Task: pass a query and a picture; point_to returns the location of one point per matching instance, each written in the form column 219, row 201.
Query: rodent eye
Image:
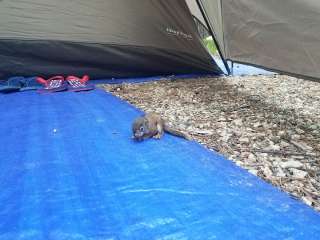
column 141, row 128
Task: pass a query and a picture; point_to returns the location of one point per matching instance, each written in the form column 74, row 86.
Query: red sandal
column 53, row 84
column 79, row 84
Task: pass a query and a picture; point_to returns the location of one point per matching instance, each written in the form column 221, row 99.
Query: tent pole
column 231, row 67
column 213, row 36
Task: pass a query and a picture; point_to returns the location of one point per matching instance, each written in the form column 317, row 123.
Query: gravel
column 269, row 125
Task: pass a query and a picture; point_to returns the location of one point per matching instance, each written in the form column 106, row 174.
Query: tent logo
column 178, row 33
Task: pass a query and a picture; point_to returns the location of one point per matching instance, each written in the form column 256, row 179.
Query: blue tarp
column 69, row 170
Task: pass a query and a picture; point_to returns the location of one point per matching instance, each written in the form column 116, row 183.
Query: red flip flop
column 53, row 84
column 79, row 84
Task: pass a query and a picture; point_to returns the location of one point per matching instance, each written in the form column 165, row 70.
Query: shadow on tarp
column 69, row 170
column 238, row 70
column 152, row 78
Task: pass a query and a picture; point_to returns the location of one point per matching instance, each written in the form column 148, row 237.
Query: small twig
column 310, row 160
column 253, row 165
column 313, row 195
column 298, row 145
column 238, row 108
column 291, row 179
column 285, row 153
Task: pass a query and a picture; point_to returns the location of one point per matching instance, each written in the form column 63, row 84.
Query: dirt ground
column 269, row 125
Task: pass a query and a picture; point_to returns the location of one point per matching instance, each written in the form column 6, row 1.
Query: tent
column 122, row 38
column 114, row 38
column 283, row 36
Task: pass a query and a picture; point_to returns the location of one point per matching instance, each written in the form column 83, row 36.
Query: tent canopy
column 114, row 38
column 122, row 38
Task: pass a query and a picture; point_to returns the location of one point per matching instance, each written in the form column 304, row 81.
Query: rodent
column 153, row 125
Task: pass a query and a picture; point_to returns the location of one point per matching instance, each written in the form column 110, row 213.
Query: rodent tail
column 177, row 133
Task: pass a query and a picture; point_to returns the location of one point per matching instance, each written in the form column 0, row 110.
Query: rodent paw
column 157, row 136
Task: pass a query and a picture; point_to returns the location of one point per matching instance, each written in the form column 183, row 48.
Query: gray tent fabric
column 279, row 35
column 114, row 38
column 194, row 8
